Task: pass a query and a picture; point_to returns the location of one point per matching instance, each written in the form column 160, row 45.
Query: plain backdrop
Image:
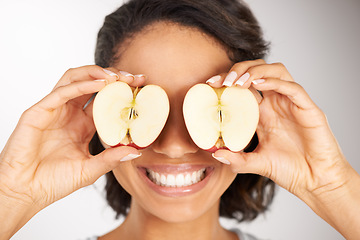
column 318, row 41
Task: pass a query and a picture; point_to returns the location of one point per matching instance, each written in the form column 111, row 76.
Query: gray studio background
column 319, row 42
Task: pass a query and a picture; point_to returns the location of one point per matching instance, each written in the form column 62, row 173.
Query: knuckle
column 69, row 71
column 260, row 64
column 89, row 67
column 260, row 61
column 112, row 69
column 279, row 64
column 283, row 72
column 26, row 113
column 30, row 114
column 60, row 92
column 323, row 116
column 92, row 68
column 252, row 70
column 245, row 66
column 238, row 65
column 296, row 89
column 298, row 86
column 256, row 72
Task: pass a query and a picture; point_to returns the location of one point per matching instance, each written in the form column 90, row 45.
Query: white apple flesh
column 220, row 118
column 127, row 116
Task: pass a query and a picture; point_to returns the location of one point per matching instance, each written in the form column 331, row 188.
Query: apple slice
column 127, row 116
column 220, row 117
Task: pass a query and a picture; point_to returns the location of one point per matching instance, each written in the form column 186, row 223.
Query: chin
column 182, row 212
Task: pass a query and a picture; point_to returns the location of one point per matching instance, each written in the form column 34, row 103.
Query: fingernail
column 214, row 79
column 230, row 78
column 221, row 159
column 258, row 81
column 111, row 73
column 243, row 79
column 139, row 75
column 100, row 80
column 126, row 74
column 129, row 157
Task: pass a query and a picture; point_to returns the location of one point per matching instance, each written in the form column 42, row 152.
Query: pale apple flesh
column 132, row 117
column 220, row 118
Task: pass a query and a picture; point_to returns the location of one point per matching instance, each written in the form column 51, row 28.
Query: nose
column 174, row 140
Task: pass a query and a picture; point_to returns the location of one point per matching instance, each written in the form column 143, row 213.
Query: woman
column 176, row 44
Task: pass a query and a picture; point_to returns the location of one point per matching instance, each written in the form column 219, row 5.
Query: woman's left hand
column 297, row 149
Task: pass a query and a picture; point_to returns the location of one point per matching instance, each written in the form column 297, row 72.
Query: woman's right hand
column 296, row 149
column 47, row 157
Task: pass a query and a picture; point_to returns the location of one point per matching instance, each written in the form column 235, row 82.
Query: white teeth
column 193, row 177
column 187, row 179
column 178, row 180
column 170, row 180
column 157, row 178
column 163, row 180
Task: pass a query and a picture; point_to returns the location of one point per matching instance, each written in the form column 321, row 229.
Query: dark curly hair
column 233, row 25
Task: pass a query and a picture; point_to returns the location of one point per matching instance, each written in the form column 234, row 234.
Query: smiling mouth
column 176, row 180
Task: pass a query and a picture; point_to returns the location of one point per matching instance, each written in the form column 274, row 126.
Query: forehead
column 173, row 56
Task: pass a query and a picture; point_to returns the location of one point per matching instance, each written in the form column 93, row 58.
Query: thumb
column 242, row 162
column 109, row 159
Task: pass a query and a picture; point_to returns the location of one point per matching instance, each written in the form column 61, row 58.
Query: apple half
column 128, row 116
column 219, row 118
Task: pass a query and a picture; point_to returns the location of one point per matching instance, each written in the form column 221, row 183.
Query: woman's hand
column 47, row 156
column 297, row 149
column 295, row 141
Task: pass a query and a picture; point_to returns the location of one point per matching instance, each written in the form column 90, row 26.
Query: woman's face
column 175, row 58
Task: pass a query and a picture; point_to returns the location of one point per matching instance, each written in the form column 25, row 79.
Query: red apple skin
column 214, row 149
column 129, row 145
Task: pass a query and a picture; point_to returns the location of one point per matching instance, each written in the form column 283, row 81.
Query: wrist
column 14, row 214
column 338, row 202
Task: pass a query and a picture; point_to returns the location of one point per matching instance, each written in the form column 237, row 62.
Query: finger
column 113, row 75
column 63, row 94
column 131, row 79
column 126, row 77
column 238, row 70
column 292, row 90
column 216, row 81
column 274, row 70
column 134, row 81
column 244, row 162
column 109, row 159
column 86, row 73
column 139, row 80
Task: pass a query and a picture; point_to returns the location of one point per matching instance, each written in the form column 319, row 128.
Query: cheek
column 125, row 175
column 226, row 178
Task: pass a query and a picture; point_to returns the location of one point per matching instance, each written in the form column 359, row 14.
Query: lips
column 176, row 180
